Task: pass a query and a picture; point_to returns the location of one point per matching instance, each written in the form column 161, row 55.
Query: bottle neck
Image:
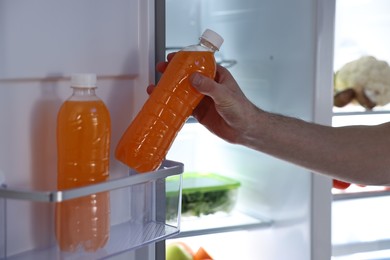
column 77, row 91
column 83, row 94
column 208, row 45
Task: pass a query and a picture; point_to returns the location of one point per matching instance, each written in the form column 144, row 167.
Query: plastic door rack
column 140, row 214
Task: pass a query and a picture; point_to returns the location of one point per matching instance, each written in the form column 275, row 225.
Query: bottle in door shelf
column 147, row 140
column 83, row 143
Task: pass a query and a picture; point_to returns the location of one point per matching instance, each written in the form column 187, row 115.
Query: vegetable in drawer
column 207, row 193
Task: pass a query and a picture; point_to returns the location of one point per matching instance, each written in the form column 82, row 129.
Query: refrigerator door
column 280, row 53
column 41, row 43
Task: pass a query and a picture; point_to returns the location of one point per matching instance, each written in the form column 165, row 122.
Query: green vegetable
column 204, row 194
column 199, row 203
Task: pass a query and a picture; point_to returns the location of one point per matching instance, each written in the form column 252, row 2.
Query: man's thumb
column 201, row 83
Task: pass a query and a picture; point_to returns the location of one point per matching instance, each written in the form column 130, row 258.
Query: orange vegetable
column 341, row 185
column 201, row 254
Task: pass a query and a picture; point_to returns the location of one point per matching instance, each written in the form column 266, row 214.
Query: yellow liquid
column 147, row 140
column 83, row 141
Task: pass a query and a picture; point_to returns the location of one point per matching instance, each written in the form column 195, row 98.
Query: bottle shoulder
column 196, row 47
column 83, row 98
column 71, row 110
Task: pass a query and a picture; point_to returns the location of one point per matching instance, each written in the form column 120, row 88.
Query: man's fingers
column 170, row 56
column 161, row 66
column 150, row 89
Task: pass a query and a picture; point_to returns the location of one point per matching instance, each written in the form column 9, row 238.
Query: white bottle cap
column 83, row 80
column 212, row 37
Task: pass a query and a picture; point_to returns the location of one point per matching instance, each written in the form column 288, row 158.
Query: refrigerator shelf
column 363, row 194
column 221, row 222
column 140, row 219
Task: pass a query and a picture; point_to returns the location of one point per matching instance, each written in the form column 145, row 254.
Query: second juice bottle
column 83, row 142
column 147, row 140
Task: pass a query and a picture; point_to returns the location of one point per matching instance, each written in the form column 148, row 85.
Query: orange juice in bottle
column 83, row 143
column 147, row 140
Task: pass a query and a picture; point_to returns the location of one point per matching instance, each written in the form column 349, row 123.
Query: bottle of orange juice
column 147, row 140
column 83, row 144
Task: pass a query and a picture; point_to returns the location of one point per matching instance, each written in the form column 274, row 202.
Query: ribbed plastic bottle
column 147, row 140
column 83, row 150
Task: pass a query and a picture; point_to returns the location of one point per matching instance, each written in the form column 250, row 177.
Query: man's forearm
column 355, row 153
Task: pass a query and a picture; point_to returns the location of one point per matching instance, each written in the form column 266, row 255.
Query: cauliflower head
column 365, row 75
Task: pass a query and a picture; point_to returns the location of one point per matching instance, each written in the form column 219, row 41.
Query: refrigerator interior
column 360, row 215
column 278, row 51
column 42, row 43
